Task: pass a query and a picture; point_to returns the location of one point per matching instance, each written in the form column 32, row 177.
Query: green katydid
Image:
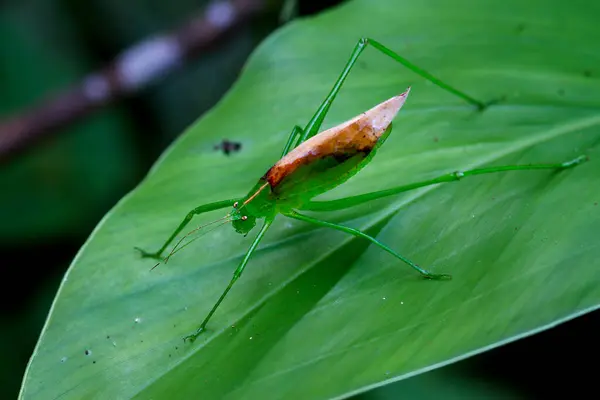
column 313, row 163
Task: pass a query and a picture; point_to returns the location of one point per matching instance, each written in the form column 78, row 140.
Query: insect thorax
column 258, row 203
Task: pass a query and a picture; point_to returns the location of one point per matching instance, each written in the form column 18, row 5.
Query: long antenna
column 176, row 249
column 198, row 237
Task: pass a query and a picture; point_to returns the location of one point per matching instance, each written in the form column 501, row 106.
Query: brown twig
column 133, row 69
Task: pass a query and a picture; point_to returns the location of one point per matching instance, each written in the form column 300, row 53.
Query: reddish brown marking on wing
column 360, row 134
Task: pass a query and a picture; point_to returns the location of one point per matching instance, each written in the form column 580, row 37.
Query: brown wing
column 360, row 134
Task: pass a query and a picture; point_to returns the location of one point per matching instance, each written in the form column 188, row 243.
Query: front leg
column 196, row 211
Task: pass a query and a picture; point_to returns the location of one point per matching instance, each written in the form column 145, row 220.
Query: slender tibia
column 352, row 201
column 360, row 234
column 480, row 105
column 313, row 126
column 236, row 274
column 196, row 211
column 296, row 132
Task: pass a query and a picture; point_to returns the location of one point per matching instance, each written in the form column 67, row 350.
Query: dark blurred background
column 77, row 132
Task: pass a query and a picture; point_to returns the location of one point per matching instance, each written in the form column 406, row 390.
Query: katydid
column 313, row 163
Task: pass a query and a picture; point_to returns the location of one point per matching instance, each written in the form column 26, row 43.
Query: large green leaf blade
column 318, row 314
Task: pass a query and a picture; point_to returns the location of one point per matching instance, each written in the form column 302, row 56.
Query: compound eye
column 245, row 217
column 235, row 205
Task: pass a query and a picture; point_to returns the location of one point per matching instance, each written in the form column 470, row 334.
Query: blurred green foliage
column 70, row 180
column 62, row 186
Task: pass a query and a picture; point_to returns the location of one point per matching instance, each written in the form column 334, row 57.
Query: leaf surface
column 319, row 314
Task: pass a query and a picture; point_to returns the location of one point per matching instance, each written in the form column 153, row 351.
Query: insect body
column 318, row 165
column 313, row 163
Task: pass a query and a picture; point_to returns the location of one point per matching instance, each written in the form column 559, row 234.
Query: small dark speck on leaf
column 595, row 204
column 228, row 147
column 520, row 28
column 176, row 348
column 516, row 228
column 94, row 362
column 587, row 73
column 108, row 336
column 169, row 355
column 435, row 139
column 87, row 352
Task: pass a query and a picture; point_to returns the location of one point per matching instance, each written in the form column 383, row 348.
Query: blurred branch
column 133, row 69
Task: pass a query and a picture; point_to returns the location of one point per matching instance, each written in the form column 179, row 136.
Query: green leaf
column 319, row 314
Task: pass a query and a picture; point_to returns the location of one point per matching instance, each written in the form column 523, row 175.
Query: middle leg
column 356, row 232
